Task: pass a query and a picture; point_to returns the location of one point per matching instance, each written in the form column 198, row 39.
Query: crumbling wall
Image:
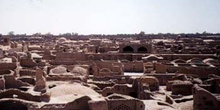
column 79, row 104
column 152, row 81
column 10, row 66
column 6, row 71
column 2, row 84
column 133, row 66
column 27, row 62
column 11, row 93
column 27, row 72
column 103, row 68
column 204, row 100
column 98, row 105
column 182, row 87
column 125, row 104
column 160, row 68
column 11, row 82
column 119, row 89
column 201, row 72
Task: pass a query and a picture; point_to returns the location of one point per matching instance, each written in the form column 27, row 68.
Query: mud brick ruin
column 110, row 72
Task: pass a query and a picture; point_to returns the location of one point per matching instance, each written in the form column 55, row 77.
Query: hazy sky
column 109, row 16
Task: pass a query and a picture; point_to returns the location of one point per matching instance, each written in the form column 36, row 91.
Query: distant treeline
column 138, row 36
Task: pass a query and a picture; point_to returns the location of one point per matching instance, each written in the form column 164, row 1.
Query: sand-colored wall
column 204, row 100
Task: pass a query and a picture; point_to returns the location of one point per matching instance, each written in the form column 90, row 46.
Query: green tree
column 11, row 33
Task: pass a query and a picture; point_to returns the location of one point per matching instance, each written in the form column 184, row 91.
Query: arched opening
column 133, row 94
column 90, row 57
column 12, row 105
column 91, row 71
column 142, row 50
column 128, row 49
column 106, row 70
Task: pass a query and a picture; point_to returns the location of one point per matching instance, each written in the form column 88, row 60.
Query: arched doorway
column 12, row 105
column 128, row 49
column 142, row 50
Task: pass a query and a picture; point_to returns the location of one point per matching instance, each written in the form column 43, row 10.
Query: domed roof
column 61, row 40
column 195, row 61
column 58, row 70
column 77, row 70
column 178, row 61
column 70, row 91
column 152, row 57
column 210, row 60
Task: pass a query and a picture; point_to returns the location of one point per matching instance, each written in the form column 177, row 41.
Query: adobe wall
column 119, row 77
column 125, row 105
column 138, row 56
column 27, row 62
column 27, row 72
column 201, row 72
column 160, row 68
column 119, row 89
column 20, row 95
column 60, row 62
column 182, row 87
column 2, row 84
column 103, row 84
column 13, row 103
column 66, row 78
column 91, row 49
column 171, row 57
column 64, row 56
column 48, row 56
column 135, row 47
column 6, row 71
column 151, row 81
column 80, row 103
column 10, row 66
column 29, row 80
column 134, row 66
column 104, row 49
column 107, row 73
column 204, row 100
column 68, row 67
column 11, row 82
column 98, row 105
column 108, row 64
column 163, row 78
column 107, row 68
column 35, row 48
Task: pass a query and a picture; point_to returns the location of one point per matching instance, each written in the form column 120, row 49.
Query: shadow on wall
column 12, row 105
column 142, row 50
column 128, row 49
column 135, row 48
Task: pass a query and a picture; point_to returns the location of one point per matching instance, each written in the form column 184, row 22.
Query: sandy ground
column 153, row 105
column 160, row 104
column 186, row 105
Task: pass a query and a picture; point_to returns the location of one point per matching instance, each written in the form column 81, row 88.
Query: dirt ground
column 158, row 101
